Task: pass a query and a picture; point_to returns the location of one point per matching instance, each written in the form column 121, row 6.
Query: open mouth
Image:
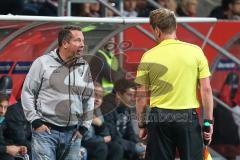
column 79, row 52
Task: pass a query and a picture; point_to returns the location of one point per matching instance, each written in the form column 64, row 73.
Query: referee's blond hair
column 164, row 19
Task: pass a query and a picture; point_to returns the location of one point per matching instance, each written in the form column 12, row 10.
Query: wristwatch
column 209, row 121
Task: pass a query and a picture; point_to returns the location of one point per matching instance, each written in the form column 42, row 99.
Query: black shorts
column 169, row 130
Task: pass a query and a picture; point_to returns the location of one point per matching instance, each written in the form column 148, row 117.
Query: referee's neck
column 166, row 36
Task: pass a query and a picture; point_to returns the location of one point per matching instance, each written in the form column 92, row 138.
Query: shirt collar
column 168, row 41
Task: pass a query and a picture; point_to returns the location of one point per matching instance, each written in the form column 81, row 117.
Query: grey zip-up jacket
column 50, row 86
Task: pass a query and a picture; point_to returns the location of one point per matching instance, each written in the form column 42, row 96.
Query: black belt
column 170, row 115
column 60, row 128
column 173, row 110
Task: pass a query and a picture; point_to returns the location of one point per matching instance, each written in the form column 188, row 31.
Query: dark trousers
column 103, row 151
column 6, row 157
column 169, row 130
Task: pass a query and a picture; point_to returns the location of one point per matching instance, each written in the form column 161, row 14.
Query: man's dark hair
column 234, row 1
column 122, row 85
column 4, row 97
column 65, row 34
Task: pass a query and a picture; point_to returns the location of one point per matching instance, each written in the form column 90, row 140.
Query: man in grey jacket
column 58, row 99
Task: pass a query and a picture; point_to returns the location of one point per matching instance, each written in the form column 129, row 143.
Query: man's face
column 3, row 107
column 75, row 46
column 130, row 5
column 98, row 95
column 192, row 7
column 128, row 98
column 235, row 8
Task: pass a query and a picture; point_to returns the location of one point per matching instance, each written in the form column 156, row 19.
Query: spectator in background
column 17, row 127
column 82, row 9
column 98, row 141
column 171, row 5
column 230, row 9
column 48, row 8
column 130, row 8
column 109, row 12
column 105, row 67
column 14, row 7
column 234, row 10
column 187, row 8
column 221, row 12
column 95, row 9
column 143, row 8
column 32, row 7
column 86, row 9
column 7, row 151
column 6, row 85
column 116, row 111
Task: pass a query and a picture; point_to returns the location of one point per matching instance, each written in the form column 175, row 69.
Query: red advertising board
column 19, row 49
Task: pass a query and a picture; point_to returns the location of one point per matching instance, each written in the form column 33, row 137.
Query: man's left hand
column 76, row 135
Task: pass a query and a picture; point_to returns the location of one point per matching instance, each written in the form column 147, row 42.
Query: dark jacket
column 47, row 9
column 17, row 127
column 100, row 68
column 118, row 120
column 96, row 134
column 3, row 143
column 2, row 140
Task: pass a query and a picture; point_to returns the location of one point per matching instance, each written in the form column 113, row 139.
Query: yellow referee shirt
column 171, row 71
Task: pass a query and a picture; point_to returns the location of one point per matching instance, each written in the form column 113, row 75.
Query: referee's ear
column 157, row 33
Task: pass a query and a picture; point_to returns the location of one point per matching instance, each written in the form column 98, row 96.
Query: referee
column 170, row 74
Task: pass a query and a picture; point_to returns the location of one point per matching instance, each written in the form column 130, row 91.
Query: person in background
column 105, row 67
column 221, row 12
column 98, row 141
column 234, row 10
column 95, row 9
column 14, row 7
column 187, row 8
column 48, row 8
column 7, row 151
column 6, row 86
column 18, row 129
column 130, row 8
column 143, row 8
column 171, row 5
column 116, row 110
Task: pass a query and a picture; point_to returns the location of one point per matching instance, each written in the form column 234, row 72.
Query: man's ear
column 158, row 32
column 65, row 44
column 118, row 95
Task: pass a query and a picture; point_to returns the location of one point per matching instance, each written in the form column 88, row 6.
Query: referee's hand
column 208, row 135
column 143, row 133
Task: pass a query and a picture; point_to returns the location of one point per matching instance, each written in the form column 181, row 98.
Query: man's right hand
column 43, row 128
column 143, row 133
column 13, row 150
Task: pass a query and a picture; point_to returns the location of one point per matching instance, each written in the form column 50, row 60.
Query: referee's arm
column 207, row 101
column 207, row 97
column 141, row 104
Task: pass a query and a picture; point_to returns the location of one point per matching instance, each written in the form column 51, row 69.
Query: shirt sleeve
column 30, row 88
column 88, row 99
column 203, row 68
column 142, row 76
